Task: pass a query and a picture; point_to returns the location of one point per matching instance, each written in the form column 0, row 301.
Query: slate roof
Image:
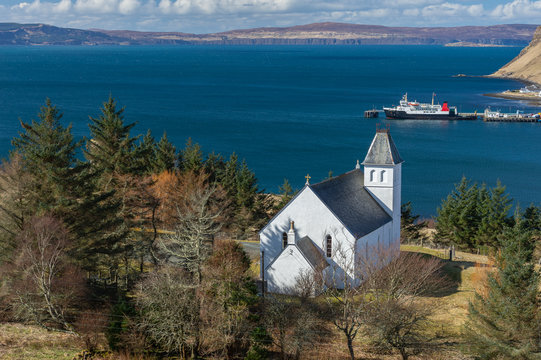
column 353, row 205
column 382, row 151
column 311, row 252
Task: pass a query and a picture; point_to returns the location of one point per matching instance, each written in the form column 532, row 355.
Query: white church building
column 327, row 226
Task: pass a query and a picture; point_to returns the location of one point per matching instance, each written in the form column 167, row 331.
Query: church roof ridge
column 354, row 206
column 334, row 178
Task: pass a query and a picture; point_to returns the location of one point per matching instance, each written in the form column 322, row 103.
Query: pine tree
column 494, row 214
column 165, row 155
column 214, row 167
column 64, row 187
column 458, row 216
column 409, row 229
column 191, row 157
column 532, row 219
column 286, row 194
column 246, row 186
column 145, row 154
column 111, row 148
column 504, row 321
column 229, row 176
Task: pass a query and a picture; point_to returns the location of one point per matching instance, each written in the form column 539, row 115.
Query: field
column 21, row 342
column 18, row 341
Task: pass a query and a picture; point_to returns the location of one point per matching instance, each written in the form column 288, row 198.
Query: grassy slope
column 21, row 342
column 527, row 65
column 30, row 342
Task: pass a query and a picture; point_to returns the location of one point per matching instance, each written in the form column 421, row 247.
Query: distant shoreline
column 326, row 33
column 509, row 95
column 471, row 44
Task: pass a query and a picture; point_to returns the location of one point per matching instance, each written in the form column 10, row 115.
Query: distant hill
column 527, row 65
column 41, row 34
column 320, row 33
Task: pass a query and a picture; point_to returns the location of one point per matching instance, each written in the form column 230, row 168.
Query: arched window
column 329, row 246
column 284, row 240
column 373, row 175
column 383, row 176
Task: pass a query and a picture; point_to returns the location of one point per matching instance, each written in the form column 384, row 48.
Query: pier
column 371, row 113
column 514, row 118
column 496, row 116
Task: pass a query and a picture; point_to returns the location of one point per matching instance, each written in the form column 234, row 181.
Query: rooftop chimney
column 291, row 234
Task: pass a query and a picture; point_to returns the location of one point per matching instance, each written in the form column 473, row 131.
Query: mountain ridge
column 327, row 33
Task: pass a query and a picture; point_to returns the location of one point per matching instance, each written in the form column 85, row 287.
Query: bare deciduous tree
column 169, row 310
column 48, row 288
column 346, row 301
column 397, row 319
column 293, row 324
column 227, row 293
column 199, row 213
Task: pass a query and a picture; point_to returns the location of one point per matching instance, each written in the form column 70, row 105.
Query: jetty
column 374, row 113
column 496, row 116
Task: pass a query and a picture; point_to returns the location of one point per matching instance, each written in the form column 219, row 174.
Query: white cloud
column 218, row 15
column 411, row 12
column 452, row 10
column 128, row 6
column 518, row 9
column 95, row 6
column 62, row 6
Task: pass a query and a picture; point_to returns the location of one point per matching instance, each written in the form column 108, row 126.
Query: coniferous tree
column 145, row 154
column 409, row 229
column 504, row 320
column 230, row 174
column 64, row 187
column 246, row 186
column 286, row 194
column 214, row 167
column 532, row 219
column 494, row 209
column 458, row 216
column 15, row 195
column 473, row 216
column 111, row 148
column 191, row 157
column 165, row 155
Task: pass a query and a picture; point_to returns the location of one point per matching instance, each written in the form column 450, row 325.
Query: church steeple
column 382, row 151
column 383, row 175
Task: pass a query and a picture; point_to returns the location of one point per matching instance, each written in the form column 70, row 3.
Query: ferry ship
column 415, row 110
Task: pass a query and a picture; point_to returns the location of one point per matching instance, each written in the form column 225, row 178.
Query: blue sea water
column 291, row 110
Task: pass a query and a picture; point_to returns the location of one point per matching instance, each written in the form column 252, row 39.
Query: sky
column 207, row 16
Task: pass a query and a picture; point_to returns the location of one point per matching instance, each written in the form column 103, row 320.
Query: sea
column 291, row 110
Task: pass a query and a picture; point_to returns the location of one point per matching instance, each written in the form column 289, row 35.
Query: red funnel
column 444, row 107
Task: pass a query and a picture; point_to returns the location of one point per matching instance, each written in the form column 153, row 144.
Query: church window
column 329, row 246
column 284, row 240
column 383, row 176
column 373, row 175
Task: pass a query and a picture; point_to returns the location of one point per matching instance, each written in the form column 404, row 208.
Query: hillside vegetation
column 527, row 65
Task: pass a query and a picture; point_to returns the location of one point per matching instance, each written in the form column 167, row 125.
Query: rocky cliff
column 527, row 65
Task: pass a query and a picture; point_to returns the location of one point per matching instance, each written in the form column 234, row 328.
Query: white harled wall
column 312, row 218
column 282, row 274
column 385, row 183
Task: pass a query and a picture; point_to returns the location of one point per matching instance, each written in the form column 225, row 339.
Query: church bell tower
column 383, row 175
